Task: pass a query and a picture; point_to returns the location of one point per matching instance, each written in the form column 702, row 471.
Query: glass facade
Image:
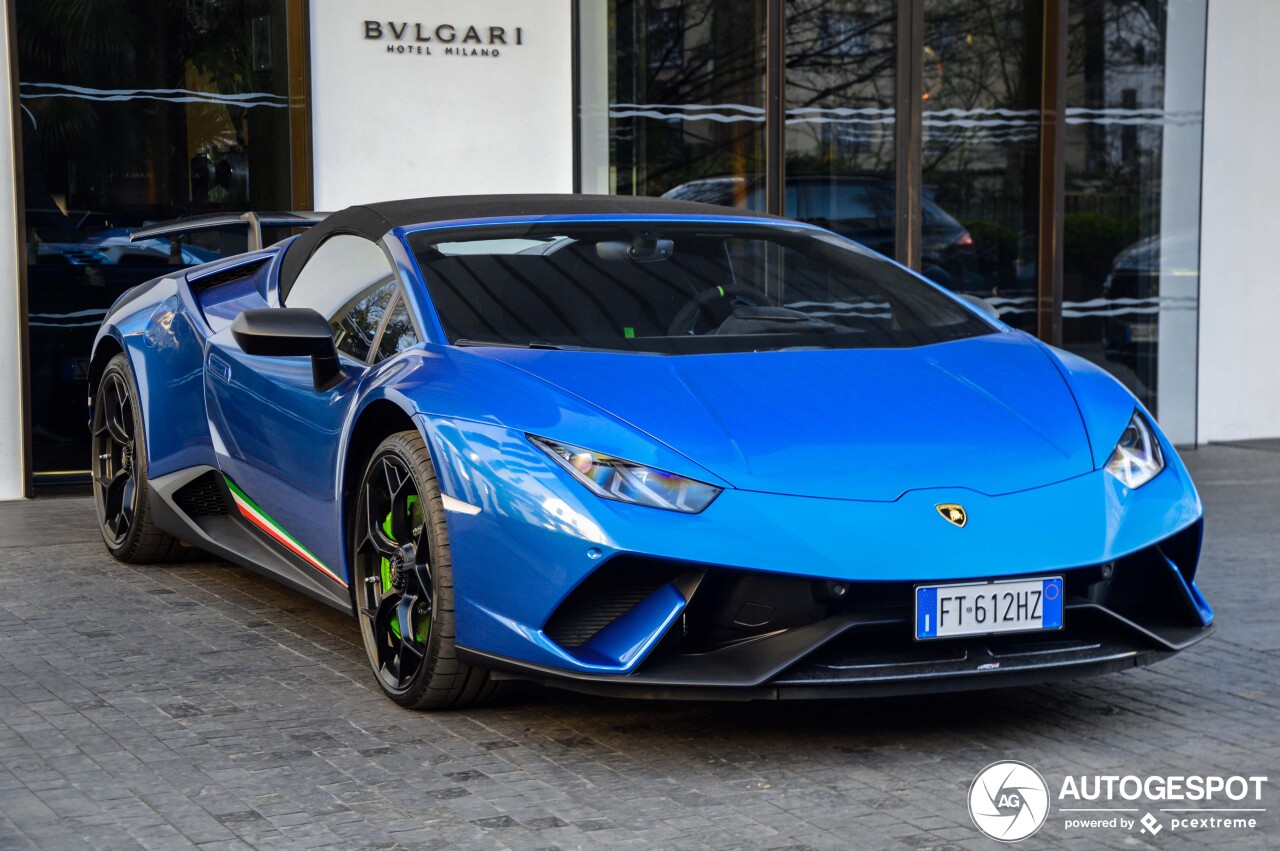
column 981, row 151
column 840, row 117
column 1120, row 222
column 917, row 127
column 1135, row 96
column 682, row 98
column 133, row 112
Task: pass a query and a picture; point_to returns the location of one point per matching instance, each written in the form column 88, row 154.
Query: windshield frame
column 464, row 229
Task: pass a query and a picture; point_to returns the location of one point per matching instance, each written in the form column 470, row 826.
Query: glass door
column 1074, row 147
column 1135, row 118
column 134, row 112
column 980, row 137
column 840, row 117
column 674, row 102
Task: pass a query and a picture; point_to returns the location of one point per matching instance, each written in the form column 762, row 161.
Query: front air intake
column 603, row 597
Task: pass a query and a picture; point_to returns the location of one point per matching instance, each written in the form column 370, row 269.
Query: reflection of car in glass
column 642, row 447
column 258, row 229
column 79, row 263
column 861, row 208
column 116, row 249
column 1133, row 300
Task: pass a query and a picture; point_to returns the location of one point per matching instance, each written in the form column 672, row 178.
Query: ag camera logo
column 1008, row 801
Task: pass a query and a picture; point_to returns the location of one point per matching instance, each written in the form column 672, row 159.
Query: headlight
column 1137, row 458
column 614, row 478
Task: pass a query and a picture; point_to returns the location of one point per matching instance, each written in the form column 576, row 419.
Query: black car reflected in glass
column 861, row 208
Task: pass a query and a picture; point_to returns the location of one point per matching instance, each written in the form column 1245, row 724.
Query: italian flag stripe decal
column 263, row 521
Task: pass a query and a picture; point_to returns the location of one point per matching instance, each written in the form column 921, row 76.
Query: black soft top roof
column 374, row 221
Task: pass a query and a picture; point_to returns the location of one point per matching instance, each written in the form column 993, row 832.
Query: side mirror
column 982, row 304
column 284, row 332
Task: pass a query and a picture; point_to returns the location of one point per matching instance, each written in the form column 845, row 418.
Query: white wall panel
column 399, row 113
column 1240, row 273
column 11, row 355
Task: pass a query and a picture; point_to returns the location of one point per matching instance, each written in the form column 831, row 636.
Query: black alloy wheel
column 403, row 581
column 114, row 448
column 119, row 465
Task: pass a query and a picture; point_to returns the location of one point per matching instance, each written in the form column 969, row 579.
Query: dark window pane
column 665, row 34
column 399, row 334
column 673, row 92
column 981, row 151
column 356, row 324
column 1131, row 253
column 134, row 112
column 841, row 58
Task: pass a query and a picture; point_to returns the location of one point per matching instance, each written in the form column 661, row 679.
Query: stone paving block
column 204, row 706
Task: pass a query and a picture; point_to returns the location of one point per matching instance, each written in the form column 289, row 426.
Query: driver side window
column 350, row 282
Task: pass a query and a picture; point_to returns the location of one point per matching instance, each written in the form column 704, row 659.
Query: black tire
column 402, row 573
column 119, row 464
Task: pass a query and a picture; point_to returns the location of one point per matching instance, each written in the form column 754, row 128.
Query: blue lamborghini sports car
column 642, row 447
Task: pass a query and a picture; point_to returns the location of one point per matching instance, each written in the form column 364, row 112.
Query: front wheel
column 403, row 582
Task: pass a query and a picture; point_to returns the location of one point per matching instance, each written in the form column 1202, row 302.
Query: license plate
column 984, row 608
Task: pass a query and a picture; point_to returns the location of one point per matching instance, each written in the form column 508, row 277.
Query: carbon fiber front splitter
column 846, row 667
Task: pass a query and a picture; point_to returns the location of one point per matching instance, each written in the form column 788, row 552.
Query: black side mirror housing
column 284, row 332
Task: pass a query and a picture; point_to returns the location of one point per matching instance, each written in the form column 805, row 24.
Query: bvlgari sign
column 498, row 119
column 418, row 39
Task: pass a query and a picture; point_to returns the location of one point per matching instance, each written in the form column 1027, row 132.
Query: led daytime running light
column 627, row 481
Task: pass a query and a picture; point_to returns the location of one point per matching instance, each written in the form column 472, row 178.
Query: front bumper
column 752, row 636
column 553, row 583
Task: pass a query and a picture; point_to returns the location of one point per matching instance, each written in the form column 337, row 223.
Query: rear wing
column 255, row 222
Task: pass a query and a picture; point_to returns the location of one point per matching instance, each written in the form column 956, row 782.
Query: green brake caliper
column 421, row 636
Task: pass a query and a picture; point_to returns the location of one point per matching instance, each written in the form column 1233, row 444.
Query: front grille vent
column 603, row 597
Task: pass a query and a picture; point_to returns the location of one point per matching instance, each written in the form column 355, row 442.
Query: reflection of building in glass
column 132, row 114
column 135, row 112
column 1132, row 238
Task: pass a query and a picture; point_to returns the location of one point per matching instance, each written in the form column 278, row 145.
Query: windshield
column 677, row 287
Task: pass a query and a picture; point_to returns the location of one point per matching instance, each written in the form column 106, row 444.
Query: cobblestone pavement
column 169, row 707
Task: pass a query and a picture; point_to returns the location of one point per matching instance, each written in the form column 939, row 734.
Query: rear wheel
column 403, row 582
column 119, row 467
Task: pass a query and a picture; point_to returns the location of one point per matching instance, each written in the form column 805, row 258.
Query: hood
column 991, row 414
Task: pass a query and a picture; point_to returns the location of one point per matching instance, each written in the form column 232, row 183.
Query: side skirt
column 235, row 535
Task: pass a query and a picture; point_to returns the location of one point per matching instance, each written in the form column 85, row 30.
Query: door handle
column 220, row 369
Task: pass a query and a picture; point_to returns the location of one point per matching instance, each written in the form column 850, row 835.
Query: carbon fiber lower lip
column 632, row 687
column 831, row 663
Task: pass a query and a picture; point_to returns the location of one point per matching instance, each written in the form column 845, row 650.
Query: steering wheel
column 682, row 324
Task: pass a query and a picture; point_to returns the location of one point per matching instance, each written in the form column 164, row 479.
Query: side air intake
column 203, row 496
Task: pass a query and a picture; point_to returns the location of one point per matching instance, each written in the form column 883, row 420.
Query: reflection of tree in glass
column 698, row 67
column 841, row 56
column 399, row 334
column 354, row 328
column 978, row 63
column 671, row 56
column 1115, row 60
